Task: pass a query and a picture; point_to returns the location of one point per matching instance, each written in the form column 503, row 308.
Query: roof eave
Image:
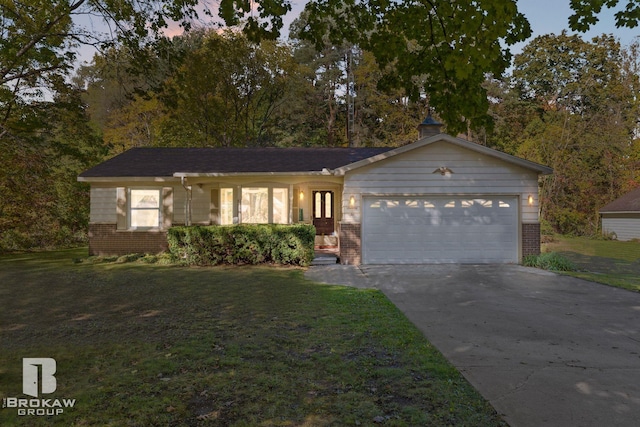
column 326, row 172
column 541, row 169
column 176, row 176
column 91, row 179
column 619, row 212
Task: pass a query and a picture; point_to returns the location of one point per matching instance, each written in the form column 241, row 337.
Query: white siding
column 179, row 197
column 411, row 173
column 625, row 228
column 103, row 205
column 200, row 205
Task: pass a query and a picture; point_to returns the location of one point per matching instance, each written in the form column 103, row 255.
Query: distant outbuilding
column 622, row 216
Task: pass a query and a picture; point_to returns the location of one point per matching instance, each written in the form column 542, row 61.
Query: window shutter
column 121, row 208
column 215, row 207
column 167, row 207
column 295, row 204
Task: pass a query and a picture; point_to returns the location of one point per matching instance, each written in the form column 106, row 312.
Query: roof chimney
column 429, row 126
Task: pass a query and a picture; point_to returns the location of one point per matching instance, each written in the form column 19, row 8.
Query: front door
column 323, row 212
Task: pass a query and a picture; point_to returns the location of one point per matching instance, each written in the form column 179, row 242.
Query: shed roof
column 167, row 162
column 629, row 202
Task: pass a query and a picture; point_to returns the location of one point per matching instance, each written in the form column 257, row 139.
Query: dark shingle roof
column 163, row 162
column 629, row 202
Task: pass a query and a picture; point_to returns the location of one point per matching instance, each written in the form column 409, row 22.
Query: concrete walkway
column 544, row 349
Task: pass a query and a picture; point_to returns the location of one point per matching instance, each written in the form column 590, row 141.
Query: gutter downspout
column 187, row 202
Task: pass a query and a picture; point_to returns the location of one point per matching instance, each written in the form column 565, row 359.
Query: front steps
column 326, row 255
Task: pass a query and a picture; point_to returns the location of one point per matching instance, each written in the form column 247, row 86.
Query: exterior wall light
column 530, row 200
column 352, row 202
column 301, row 195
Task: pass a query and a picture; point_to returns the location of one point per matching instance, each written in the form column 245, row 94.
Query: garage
column 440, row 200
column 440, row 229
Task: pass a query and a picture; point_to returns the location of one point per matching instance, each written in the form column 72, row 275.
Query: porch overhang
column 324, row 172
column 99, row 179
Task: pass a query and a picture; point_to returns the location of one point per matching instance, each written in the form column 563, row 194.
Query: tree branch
column 29, row 73
column 40, row 35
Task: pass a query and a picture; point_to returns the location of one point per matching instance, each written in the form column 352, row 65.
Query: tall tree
column 442, row 49
column 585, row 98
column 122, row 103
column 39, row 39
column 343, row 92
column 564, row 72
column 227, row 91
column 45, row 140
column 41, row 204
column 307, row 105
column 383, row 117
column 135, row 124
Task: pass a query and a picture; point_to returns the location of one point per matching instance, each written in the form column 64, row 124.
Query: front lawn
column 150, row 345
column 605, row 261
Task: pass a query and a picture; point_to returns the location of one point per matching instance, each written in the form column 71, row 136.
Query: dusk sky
column 551, row 16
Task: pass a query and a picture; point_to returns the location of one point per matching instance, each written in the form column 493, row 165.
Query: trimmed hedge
column 242, row 244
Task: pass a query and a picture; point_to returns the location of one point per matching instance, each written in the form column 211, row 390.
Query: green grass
column 152, row 345
column 609, row 262
column 549, row 261
column 625, row 251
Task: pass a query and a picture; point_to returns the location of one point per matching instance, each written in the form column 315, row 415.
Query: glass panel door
column 323, row 212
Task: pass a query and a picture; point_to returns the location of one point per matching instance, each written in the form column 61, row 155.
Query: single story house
column 439, row 199
column 622, row 216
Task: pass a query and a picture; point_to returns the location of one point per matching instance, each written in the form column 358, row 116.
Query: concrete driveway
column 544, row 349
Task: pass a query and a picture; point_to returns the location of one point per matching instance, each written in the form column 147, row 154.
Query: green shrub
column 606, row 236
column 242, row 244
column 549, row 261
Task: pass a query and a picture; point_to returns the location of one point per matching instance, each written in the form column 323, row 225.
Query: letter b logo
column 30, row 375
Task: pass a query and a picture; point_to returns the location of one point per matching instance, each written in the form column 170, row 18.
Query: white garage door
column 417, row 230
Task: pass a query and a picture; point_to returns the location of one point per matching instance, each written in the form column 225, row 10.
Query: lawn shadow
column 603, row 265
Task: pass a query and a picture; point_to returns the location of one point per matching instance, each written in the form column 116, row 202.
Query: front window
column 255, row 205
column 145, row 208
column 261, row 205
column 226, row 206
column 280, row 206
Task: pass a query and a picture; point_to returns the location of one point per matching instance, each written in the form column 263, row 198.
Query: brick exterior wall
column 530, row 239
column 350, row 244
column 104, row 239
